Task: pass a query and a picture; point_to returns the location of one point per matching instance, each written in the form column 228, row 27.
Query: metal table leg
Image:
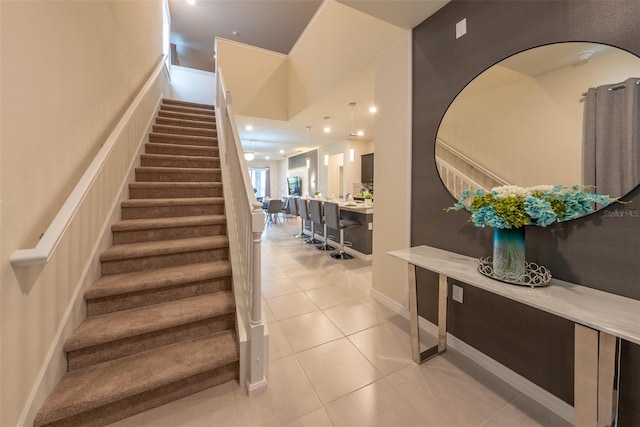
column 597, row 356
column 417, row 355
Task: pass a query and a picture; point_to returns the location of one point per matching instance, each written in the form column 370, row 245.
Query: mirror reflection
column 560, row 114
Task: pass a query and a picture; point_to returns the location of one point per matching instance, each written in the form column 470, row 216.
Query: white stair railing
column 245, row 224
column 459, row 172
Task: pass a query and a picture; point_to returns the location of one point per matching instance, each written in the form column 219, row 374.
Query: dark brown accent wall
column 599, row 251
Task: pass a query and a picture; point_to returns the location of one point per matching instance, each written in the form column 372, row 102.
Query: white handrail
column 245, row 224
column 49, row 241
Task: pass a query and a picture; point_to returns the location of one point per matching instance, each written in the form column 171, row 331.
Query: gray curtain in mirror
column 612, row 137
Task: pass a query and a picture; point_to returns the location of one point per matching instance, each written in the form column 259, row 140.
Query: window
column 260, row 181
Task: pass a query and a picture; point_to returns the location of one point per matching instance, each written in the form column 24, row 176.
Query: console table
column 601, row 320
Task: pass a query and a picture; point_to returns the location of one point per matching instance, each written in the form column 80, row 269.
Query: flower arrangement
column 511, row 206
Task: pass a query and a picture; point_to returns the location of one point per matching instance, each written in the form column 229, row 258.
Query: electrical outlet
column 457, row 293
column 370, row 226
column 461, row 28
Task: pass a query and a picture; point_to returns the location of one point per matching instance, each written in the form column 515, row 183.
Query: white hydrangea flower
column 510, row 191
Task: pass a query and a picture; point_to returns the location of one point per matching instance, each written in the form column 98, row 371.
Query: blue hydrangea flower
column 540, row 210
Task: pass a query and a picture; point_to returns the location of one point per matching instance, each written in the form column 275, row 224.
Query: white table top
column 607, row 312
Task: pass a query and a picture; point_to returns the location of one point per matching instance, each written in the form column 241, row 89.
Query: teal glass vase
column 508, row 254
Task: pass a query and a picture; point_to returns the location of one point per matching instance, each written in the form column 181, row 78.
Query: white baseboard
column 54, row 365
column 537, row 393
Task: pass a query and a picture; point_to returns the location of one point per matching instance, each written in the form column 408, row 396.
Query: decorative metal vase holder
column 508, row 263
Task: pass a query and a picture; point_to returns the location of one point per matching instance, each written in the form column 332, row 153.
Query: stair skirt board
column 169, row 247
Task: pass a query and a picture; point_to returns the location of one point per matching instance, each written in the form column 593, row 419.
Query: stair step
column 123, row 333
column 131, row 290
column 174, row 190
column 183, row 139
column 161, row 208
column 186, row 109
column 168, row 101
column 186, row 123
column 177, row 161
column 181, row 149
column 187, row 116
column 174, row 174
column 150, row 229
column 113, row 390
column 184, row 130
column 149, row 255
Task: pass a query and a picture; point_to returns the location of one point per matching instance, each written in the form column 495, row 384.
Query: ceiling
column 276, row 25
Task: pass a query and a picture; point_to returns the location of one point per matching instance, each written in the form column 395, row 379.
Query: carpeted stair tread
column 163, row 247
column 179, row 161
column 139, row 281
column 169, row 137
column 187, row 116
column 152, row 223
column 180, row 184
column 183, row 149
column 192, row 110
column 168, row 101
column 184, row 122
column 94, row 386
column 202, row 109
column 116, row 326
column 190, row 201
column 184, row 130
column 174, row 189
column 168, row 169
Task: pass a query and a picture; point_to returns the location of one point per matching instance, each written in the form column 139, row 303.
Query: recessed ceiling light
column 191, row 2
column 373, row 109
column 266, row 158
column 281, row 151
column 327, row 129
column 249, row 127
column 235, row 33
column 360, row 133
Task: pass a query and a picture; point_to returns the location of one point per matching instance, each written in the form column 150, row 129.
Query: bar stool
column 315, row 211
column 304, row 214
column 332, row 220
column 295, row 210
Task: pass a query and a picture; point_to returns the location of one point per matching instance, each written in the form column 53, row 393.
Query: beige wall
column 69, row 70
column 392, row 169
column 256, row 77
column 322, row 57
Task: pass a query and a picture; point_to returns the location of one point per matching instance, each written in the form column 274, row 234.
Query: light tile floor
column 339, row 358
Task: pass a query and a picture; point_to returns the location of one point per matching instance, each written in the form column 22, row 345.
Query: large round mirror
column 559, row 114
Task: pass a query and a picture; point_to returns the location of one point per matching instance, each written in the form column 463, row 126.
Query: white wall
column 276, row 186
column 392, row 169
column 189, row 84
column 69, row 71
column 351, row 170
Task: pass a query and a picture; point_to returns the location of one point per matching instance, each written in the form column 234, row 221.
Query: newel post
column 257, row 227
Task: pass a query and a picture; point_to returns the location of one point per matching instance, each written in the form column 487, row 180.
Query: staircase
column 161, row 320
